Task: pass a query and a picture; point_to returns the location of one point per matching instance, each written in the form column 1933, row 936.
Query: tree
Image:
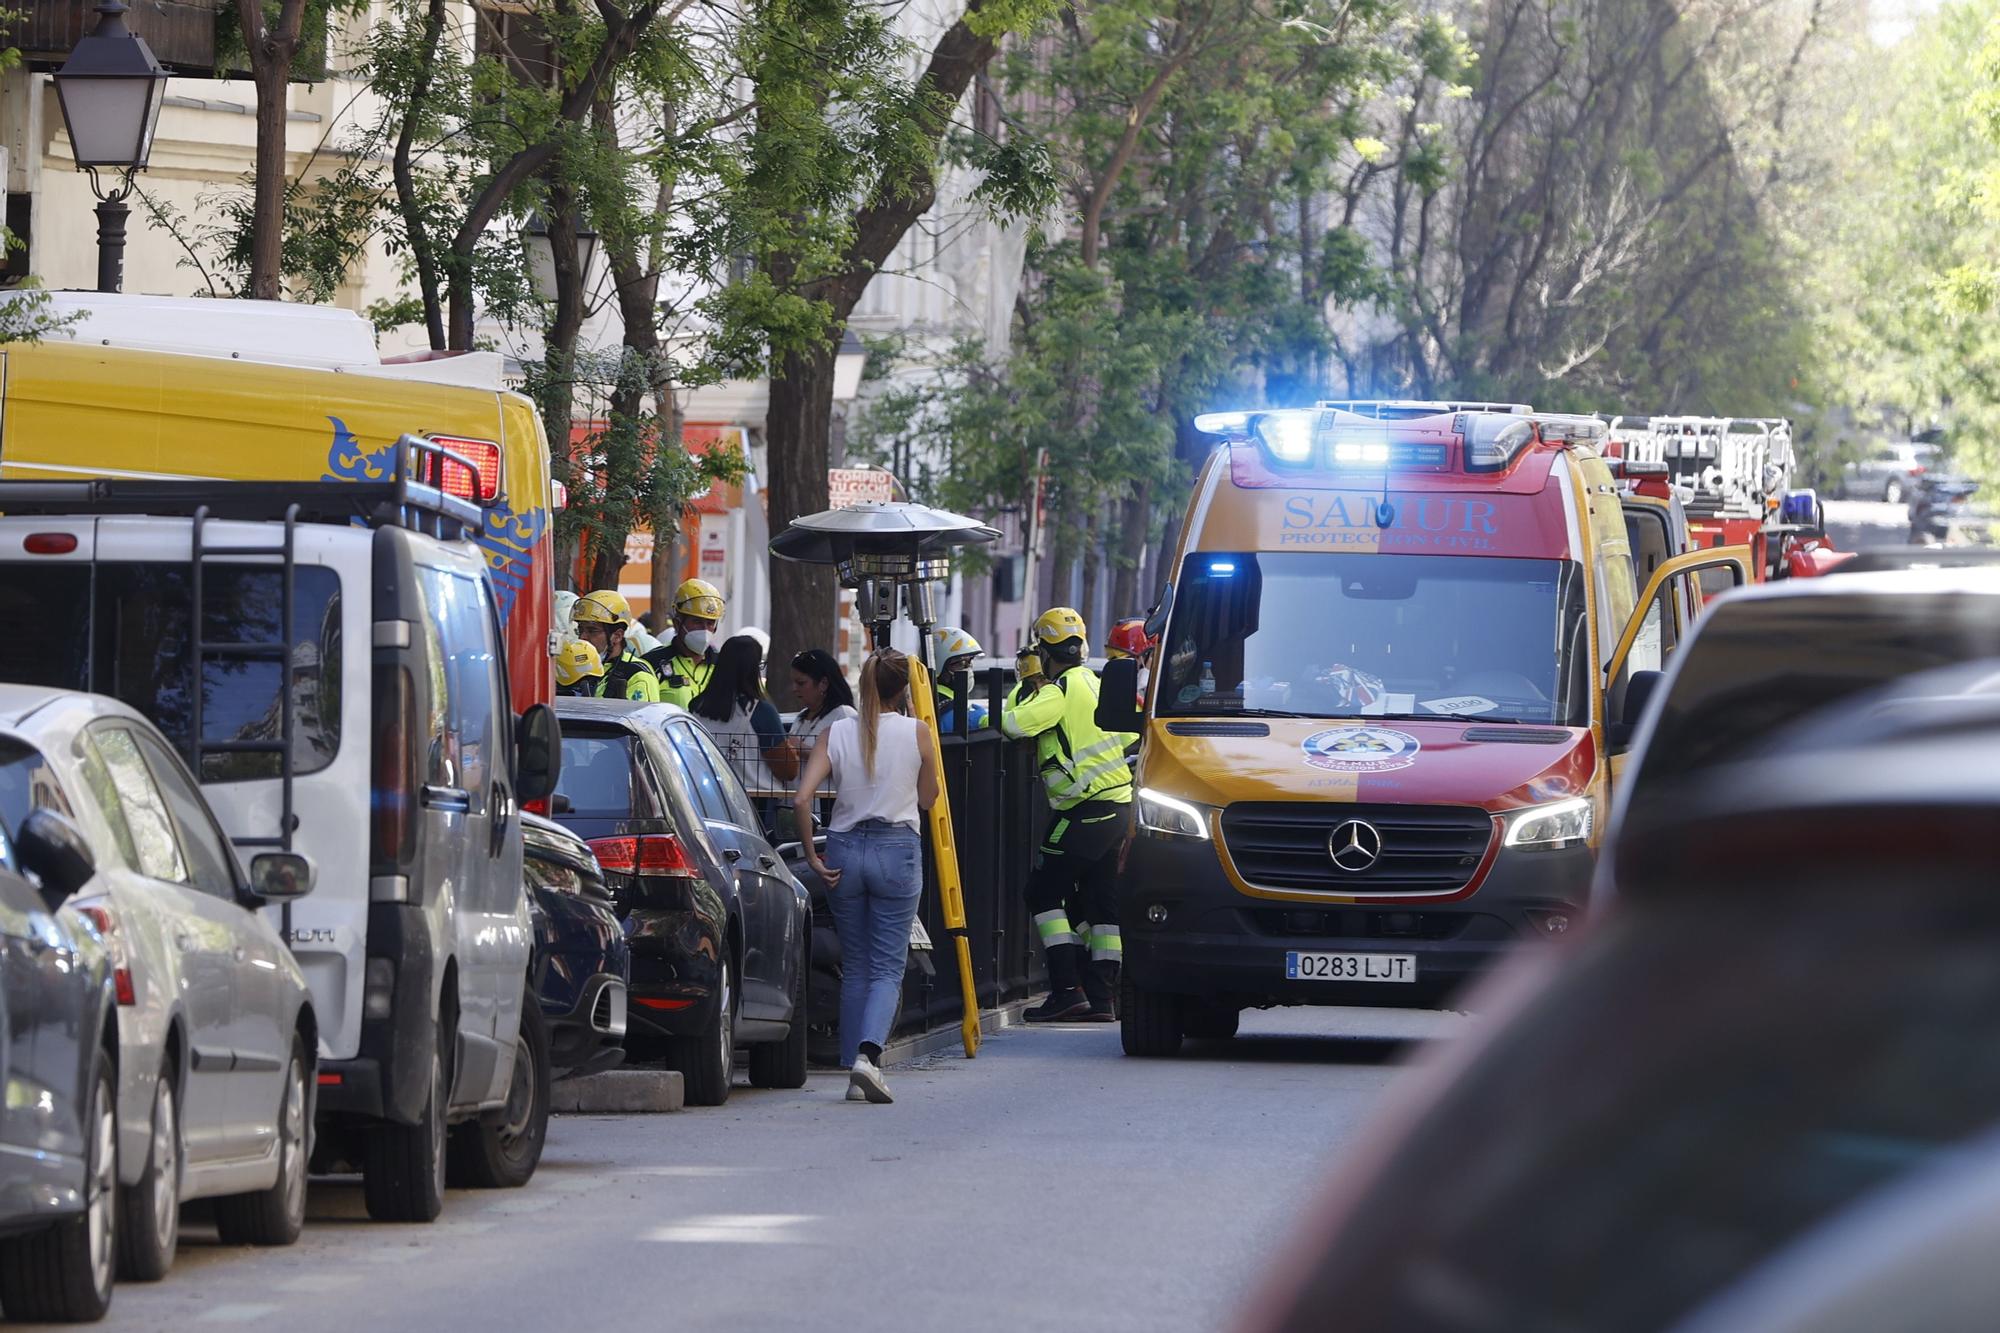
column 271, row 35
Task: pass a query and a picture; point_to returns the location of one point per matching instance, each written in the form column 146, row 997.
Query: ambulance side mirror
column 1118, row 699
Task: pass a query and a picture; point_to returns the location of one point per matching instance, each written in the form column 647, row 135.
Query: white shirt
column 891, row 795
column 807, row 733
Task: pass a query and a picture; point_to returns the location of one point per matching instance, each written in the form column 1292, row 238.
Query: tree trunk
column 1093, row 568
column 1135, row 517
column 416, row 226
column 795, row 432
column 267, row 236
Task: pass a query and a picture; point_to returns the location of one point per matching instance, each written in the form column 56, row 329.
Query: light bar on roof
column 1570, row 429
column 1288, row 436
column 1231, row 425
column 1492, row 441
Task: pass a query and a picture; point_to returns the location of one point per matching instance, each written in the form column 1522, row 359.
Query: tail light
column 658, row 855
column 106, row 922
column 392, row 796
column 1918, row 470
column 49, row 543
column 483, row 484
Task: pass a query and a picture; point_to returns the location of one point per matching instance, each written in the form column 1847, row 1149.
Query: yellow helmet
column 603, row 607
column 1028, row 664
column 698, row 598
column 577, row 660
column 1060, row 624
column 948, row 641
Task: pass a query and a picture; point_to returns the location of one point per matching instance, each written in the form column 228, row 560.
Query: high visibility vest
column 1079, row 760
column 629, row 678
column 681, row 677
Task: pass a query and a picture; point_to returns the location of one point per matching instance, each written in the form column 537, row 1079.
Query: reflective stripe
column 1106, row 945
column 1054, row 928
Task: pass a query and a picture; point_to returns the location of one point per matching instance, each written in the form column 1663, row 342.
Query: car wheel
column 782, row 1064
column 708, row 1061
column 1212, row 1022
column 277, row 1215
column 1150, row 1022
column 149, row 1213
column 501, row 1149
column 63, row 1272
column 1892, row 491
column 402, row 1167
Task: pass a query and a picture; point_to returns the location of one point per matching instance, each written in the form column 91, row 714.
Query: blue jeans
column 881, row 881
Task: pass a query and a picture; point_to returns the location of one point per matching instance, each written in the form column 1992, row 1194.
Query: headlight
column 1546, row 827
column 1160, row 813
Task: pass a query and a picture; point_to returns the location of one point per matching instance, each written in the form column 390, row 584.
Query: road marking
column 735, row 1229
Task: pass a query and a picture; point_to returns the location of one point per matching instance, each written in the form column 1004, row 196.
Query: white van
column 342, row 693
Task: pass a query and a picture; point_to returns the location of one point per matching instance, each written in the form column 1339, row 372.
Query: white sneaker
column 866, row 1077
column 855, row 1094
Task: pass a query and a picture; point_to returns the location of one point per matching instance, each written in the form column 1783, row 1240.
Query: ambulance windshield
column 1352, row 635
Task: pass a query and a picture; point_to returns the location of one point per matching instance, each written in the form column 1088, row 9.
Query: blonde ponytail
column 885, row 679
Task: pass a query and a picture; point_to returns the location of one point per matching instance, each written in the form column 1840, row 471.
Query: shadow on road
column 1288, row 1049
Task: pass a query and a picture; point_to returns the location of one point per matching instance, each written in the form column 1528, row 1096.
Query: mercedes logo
column 1354, row 845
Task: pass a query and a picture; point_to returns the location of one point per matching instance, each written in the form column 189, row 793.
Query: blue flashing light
column 1222, row 568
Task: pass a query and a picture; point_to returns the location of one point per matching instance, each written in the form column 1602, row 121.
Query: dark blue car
column 582, row 962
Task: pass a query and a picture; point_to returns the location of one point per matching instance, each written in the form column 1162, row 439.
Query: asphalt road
column 1051, row 1183
column 1857, row 525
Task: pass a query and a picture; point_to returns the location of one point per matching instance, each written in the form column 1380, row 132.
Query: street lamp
column 541, row 250
column 110, row 89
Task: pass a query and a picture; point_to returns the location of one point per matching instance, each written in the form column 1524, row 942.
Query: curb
column 937, row 1041
column 620, row 1092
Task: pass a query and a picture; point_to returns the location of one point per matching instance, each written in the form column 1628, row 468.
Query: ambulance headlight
column 1550, row 827
column 1161, row 813
column 1288, row 436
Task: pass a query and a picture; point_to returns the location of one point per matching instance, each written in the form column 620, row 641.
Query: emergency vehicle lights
column 1161, row 813
column 1360, row 453
column 484, row 455
column 1551, row 827
column 1491, row 443
column 1222, row 567
column 1288, row 436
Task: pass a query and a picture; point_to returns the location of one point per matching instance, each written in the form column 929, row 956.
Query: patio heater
column 894, row 555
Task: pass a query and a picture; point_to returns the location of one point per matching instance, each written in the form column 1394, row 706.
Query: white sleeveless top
column 892, row 793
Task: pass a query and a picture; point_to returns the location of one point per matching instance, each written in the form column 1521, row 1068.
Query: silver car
column 1889, row 472
column 216, row 1034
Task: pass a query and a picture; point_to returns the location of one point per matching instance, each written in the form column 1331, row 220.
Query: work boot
column 1100, row 985
column 1061, row 1005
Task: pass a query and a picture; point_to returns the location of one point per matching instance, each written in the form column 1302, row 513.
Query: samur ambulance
column 160, row 387
column 1401, row 653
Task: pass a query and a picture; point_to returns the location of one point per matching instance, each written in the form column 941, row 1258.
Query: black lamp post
column 110, row 89
column 541, row 254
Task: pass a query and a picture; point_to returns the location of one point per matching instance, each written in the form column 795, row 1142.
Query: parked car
column 1687, row 1115
column 216, row 1032
column 1765, row 656
column 582, row 962
column 58, row 1064
column 370, row 730
column 719, row 925
column 1889, row 472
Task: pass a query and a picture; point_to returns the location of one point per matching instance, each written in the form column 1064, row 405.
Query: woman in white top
column 885, row 766
column 823, row 696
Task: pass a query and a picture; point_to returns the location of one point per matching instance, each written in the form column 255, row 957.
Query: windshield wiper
column 1239, row 712
column 1434, row 715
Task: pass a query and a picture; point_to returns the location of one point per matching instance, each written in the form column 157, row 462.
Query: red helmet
column 1128, row 639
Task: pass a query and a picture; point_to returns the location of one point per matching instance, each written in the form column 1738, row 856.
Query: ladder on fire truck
column 1727, row 467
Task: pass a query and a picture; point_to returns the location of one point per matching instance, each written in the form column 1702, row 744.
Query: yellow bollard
column 944, row 850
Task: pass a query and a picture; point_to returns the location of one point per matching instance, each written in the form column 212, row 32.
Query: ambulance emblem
column 1360, row 749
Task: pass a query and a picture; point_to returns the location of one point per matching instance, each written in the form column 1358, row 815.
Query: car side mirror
column 1639, row 691
column 537, row 753
column 280, row 877
column 1118, row 700
column 1156, row 619
column 53, row 850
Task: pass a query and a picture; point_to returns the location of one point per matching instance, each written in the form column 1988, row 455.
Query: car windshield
column 1318, row 634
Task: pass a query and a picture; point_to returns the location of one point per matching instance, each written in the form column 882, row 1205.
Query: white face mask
column 1144, row 677
column 696, row 641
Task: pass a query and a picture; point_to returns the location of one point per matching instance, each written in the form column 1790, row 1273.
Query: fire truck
column 1732, row 476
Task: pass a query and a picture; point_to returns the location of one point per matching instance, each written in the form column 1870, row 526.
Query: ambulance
column 163, row 387
column 1402, row 653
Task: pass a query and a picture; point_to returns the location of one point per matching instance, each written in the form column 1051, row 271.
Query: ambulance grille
column 1428, row 849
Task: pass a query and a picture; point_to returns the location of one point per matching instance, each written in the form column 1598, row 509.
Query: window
column 1320, row 634
column 143, row 653
column 156, row 853
column 208, row 856
column 27, row 784
column 727, row 786
column 687, row 748
column 597, row 773
column 461, row 638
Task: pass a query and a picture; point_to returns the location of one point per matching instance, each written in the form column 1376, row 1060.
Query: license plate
column 1350, row 966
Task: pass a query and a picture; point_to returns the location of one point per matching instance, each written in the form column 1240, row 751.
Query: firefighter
column 1028, row 678
column 626, row 675
column 1090, row 791
column 1128, row 638
column 579, row 670
column 685, row 662
column 953, row 650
